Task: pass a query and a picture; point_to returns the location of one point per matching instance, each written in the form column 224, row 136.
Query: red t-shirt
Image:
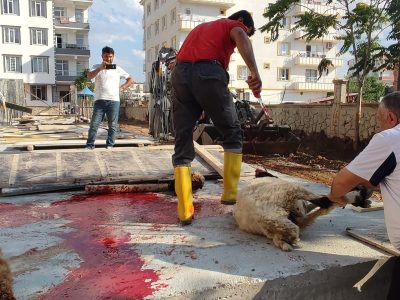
column 210, row 40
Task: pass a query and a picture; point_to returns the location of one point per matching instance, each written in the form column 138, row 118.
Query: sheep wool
column 264, row 206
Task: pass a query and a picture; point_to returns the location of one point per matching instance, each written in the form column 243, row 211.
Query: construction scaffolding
column 11, row 95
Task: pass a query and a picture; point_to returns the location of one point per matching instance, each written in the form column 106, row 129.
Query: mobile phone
column 111, row 66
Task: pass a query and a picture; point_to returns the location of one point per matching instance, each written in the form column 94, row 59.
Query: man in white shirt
column 377, row 165
column 106, row 96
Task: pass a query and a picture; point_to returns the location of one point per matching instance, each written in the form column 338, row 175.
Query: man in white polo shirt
column 377, row 165
column 106, row 96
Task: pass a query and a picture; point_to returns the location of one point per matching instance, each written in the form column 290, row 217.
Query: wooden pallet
column 100, row 165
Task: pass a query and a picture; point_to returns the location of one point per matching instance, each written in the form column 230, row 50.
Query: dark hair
column 392, row 102
column 247, row 19
column 107, row 50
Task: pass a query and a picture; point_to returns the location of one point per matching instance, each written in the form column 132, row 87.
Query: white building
column 288, row 66
column 44, row 43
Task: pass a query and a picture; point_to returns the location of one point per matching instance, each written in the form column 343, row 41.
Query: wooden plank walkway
column 77, row 166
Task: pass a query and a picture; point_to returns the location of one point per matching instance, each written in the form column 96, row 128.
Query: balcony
column 72, row 49
column 65, row 76
column 330, row 37
column 72, row 23
column 314, row 58
column 311, row 85
column 321, row 7
column 220, row 3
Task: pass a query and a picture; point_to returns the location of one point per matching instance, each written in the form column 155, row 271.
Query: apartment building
column 288, row 66
column 44, row 43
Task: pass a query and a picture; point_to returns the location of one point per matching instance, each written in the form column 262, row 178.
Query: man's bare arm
column 93, row 74
column 343, row 183
column 245, row 48
column 129, row 81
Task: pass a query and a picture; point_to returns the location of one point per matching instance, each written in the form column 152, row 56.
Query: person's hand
column 340, row 201
column 103, row 65
column 255, row 84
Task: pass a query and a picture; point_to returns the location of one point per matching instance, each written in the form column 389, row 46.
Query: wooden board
column 374, row 207
column 375, row 236
column 100, row 165
column 78, row 143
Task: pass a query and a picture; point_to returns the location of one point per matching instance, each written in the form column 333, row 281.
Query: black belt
column 206, row 61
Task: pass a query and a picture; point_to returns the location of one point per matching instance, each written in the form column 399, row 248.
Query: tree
column 83, row 81
column 360, row 30
column 373, row 88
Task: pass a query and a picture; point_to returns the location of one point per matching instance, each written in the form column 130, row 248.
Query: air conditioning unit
column 329, row 45
column 267, row 39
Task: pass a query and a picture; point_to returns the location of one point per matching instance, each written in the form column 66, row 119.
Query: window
column 11, row 35
column 38, row 8
column 62, row 67
column 173, row 16
column 148, row 32
column 173, row 42
column 79, row 15
column 188, row 11
column 163, row 2
column 59, row 12
column 12, row 64
column 148, row 9
column 311, row 75
column 267, row 39
column 156, row 49
column 283, row 74
column 149, row 55
column 157, row 27
column 222, row 11
column 283, row 49
column 285, row 22
column 164, row 22
column 38, row 92
column 40, row 64
column 156, row 4
column 10, row 7
column 243, row 72
column 267, row 66
column 80, row 67
column 80, row 41
column 38, row 36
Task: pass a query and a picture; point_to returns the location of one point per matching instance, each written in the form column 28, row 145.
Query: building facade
column 45, row 43
column 288, row 66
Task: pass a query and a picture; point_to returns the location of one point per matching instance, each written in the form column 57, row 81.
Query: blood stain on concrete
column 111, row 267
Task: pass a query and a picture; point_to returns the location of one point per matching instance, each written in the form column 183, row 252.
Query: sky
column 118, row 24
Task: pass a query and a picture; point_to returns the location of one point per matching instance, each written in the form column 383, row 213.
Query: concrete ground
column 130, row 246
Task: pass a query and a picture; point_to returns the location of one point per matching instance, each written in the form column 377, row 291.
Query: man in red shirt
column 200, row 82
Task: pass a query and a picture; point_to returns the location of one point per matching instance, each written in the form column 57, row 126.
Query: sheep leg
column 311, row 217
column 282, row 231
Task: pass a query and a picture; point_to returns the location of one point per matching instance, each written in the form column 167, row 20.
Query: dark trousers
column 394, row 290
column 100, row 109
column 202, row 86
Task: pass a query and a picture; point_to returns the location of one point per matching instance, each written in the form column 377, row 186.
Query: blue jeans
column 111, row 110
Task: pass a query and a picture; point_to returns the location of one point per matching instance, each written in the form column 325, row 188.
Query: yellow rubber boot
column 232, row 164
column 183, row 189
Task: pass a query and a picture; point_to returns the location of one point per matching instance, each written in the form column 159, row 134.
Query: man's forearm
column 245, row 49
column 127, row 84
column 93, row 74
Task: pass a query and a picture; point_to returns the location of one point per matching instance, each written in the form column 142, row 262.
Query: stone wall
column 315, row 118
column 134, row 110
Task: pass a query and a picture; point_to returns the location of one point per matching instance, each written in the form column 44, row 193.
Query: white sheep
column 6, row 280
column 278, row 209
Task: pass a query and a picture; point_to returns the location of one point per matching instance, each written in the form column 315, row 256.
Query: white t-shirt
column 107, row 83
column 377, row 163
